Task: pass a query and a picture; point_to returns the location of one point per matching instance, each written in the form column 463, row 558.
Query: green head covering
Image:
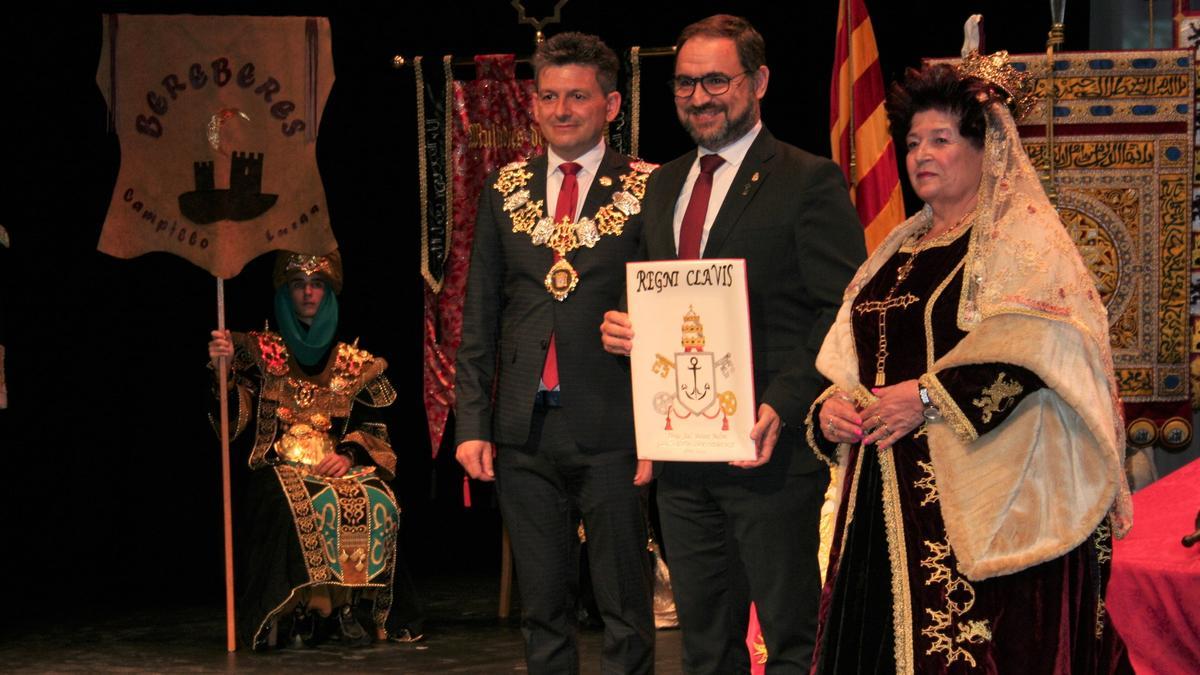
column 307, row 343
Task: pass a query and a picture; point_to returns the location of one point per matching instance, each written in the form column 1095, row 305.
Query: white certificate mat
column 693, row 380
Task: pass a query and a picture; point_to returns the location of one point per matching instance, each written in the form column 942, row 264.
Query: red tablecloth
column 1154, row 593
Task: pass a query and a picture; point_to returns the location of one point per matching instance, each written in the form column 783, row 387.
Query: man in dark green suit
column 551, row 240
column 749, row 531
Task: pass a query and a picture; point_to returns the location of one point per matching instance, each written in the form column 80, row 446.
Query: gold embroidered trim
column 380, row 393
column 851, row 500
column 267, row 425
column 828, row 521
column 378, row 448
column 933, row 298
column 953, row 586
column 243, row 416
column 308, row 531
column 810, row 426
column 927, row 483
column 423, row 177
column 1102, row 539
column 998, row 397
column 241, row 393
column 354, row 529
column 348, row 366
column 951, row 413
column 635, row 98
column 448, row 151
column 893, row 517
column 914, row 243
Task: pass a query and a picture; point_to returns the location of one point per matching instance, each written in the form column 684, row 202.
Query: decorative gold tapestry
column 1123, row 166
column 1187, row 36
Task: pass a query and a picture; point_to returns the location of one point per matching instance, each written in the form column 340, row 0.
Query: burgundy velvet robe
column 894, row 600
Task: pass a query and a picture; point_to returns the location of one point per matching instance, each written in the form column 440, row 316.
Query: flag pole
column 222, row 386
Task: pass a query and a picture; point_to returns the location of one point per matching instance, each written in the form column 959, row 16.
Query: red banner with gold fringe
column 489, row 123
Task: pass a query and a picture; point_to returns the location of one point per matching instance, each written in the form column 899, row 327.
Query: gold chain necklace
column 567, row 235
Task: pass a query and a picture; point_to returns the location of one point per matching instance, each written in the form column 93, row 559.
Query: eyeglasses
column 714, row 84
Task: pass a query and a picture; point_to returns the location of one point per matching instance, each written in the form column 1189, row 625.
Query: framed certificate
column 693, row 379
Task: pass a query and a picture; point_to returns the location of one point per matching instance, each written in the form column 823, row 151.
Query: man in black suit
column 561, row 418
column 749, row 531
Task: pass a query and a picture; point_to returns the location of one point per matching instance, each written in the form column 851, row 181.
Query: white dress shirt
column 589, row 163
column 733, row 154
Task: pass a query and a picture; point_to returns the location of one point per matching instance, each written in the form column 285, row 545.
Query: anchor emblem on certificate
column 696, row 371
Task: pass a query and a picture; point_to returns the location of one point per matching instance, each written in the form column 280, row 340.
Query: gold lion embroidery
column 975, row 632
column 998, row 397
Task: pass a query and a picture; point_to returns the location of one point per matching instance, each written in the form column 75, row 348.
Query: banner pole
column 223, row 384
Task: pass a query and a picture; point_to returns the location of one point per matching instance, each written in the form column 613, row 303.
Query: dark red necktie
column 568, row 195
column 691, row 231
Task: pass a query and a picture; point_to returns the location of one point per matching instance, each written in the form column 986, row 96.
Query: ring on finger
column 829, row 424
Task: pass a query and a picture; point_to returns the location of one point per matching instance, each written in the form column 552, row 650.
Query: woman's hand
column 840, row 422
column 896, row 412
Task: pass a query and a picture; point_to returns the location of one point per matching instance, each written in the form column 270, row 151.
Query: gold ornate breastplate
column 303, row 409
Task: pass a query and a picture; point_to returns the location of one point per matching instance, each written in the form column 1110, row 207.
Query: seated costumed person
column 974, row 411
column 317, row 523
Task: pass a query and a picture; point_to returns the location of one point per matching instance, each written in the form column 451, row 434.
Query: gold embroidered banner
column 1123, row 167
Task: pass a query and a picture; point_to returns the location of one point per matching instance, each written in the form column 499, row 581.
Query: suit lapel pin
column 746, row 187
column 605, row 181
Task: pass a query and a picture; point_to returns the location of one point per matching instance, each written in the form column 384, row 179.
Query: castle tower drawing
column 244, row 200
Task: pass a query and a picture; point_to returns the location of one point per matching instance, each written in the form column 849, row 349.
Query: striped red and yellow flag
column 858, row 131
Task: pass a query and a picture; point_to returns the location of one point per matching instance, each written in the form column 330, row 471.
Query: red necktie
column 568, row 195
column 692, row 228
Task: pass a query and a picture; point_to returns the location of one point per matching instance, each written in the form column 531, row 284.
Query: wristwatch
column 931, row 411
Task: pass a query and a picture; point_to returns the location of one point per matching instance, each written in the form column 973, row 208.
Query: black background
column 111, row 473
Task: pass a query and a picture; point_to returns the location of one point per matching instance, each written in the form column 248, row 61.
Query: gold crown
column 1016, row 85
column 329, row 266
column 693, row 331
column 308, row 264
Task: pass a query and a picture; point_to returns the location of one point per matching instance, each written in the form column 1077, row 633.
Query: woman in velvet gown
column 317, row 521
column 974, row 414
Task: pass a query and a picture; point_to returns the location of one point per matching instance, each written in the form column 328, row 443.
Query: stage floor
column 462, row 635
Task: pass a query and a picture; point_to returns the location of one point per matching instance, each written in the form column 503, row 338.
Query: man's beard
column 729, row 131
